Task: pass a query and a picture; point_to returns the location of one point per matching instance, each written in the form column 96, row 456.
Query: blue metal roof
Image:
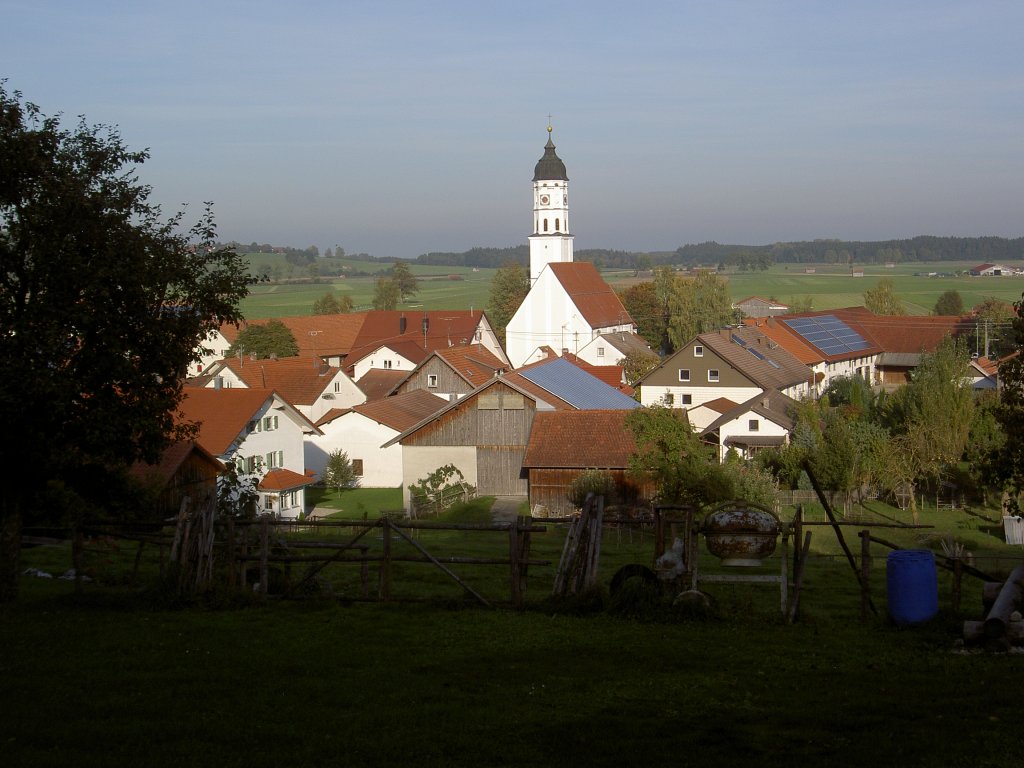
column 577, row 387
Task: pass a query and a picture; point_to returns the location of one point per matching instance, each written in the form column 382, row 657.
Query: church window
column 556, row 225
column 545, row 225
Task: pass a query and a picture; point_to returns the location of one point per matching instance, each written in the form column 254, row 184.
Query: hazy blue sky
column 398, row 128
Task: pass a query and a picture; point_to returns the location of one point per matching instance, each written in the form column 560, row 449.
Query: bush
column 594, row 481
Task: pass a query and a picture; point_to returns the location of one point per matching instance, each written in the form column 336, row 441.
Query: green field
column 830, row 287
column 115, row 677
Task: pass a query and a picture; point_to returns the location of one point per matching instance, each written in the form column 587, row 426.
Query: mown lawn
column 115, row 677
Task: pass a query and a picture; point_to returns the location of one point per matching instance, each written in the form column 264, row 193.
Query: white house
column 612, row 348
column 360, row 431
column 261, row 434
column 764, row 421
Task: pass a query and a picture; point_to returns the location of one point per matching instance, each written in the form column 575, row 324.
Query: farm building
column 484, row 434
column 755, row 306
column 564, row 444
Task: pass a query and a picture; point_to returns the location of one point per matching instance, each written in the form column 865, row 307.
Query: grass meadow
column 117, row 676
column 830, row 287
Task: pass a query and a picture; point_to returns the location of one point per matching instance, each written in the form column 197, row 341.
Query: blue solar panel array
column 829, row 334
column 577, row 387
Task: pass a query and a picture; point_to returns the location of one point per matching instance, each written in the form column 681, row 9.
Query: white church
column 569, row 305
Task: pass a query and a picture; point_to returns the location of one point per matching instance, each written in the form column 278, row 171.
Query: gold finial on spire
column 549, row 122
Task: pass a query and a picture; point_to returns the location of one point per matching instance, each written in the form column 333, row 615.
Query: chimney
column 218, row 382
column 426, row 323
column 401, row 323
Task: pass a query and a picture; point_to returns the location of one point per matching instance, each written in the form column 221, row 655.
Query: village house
column 764, row 421
column 261, row 434
column 755, row 306
column 454, row 371
column 736, row 364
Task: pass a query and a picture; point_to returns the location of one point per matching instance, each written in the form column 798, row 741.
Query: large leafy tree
column 650, row 314
column 698, row 305
column 949, row 303
column 103, row 304
column 509, row 287
column 331, row 304
column 386, row 293
column 1008, row 459
column 882, row 299
column 406, row 281
column 270, row 339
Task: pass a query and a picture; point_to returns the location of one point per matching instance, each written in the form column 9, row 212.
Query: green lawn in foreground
column 112, row 679
column 353, row 503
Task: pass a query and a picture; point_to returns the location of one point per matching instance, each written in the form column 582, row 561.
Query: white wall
column 218, row 347
column 377, row 358
column 651, row 395
column 345, row 395
column 418, row 461
column 360, row 438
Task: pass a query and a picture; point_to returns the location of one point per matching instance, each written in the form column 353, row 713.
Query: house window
column 275, row 459
column 357, row 467
column 269, row 423
column 337, row 386
column 753, row 425
column 712, row 374
column 669, row 398
column 684, row 374
column 268, row 503
column 698, row 350
column 687, row 399
column 432, row 380
column 387, row 365
column 600, row 351
column 477, row 335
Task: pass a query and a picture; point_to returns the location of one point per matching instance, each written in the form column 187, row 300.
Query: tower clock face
column 544, row 199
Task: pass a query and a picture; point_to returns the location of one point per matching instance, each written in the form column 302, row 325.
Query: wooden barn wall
column 550, row 488
column 447, row 380
column 499, row 468
column 195, row 478
column 893, row 375
column 470, row 425
column 498, row 423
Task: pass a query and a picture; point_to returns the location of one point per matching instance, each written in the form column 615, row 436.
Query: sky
column 397, row 128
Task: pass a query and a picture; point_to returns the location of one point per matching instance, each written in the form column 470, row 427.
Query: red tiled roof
column 445, row 328
column 378, row 382
column 403, row 411
column 222, row 414
column 284, row 480
column 593, row 297
column 299, row 380
column 474, row 362
column 914, row 333
column 317, row 335
column 580, row 439
column 719, row 404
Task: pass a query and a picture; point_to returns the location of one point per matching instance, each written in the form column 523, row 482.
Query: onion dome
column 550, row 167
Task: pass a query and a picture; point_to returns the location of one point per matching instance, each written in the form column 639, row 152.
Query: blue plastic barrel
column 913, row 586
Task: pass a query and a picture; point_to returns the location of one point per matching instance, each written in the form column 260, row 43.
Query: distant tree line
column 925, row 248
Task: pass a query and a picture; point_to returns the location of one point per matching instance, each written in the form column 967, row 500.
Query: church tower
column 550, row 241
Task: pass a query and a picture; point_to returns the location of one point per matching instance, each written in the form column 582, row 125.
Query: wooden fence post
column 232, row 564
column 513, row 563
column 264, row 554
column 385, row 563
column 865, row 572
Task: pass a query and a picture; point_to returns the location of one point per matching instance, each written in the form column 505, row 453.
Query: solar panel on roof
column 577, row 387
column 829, row 334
